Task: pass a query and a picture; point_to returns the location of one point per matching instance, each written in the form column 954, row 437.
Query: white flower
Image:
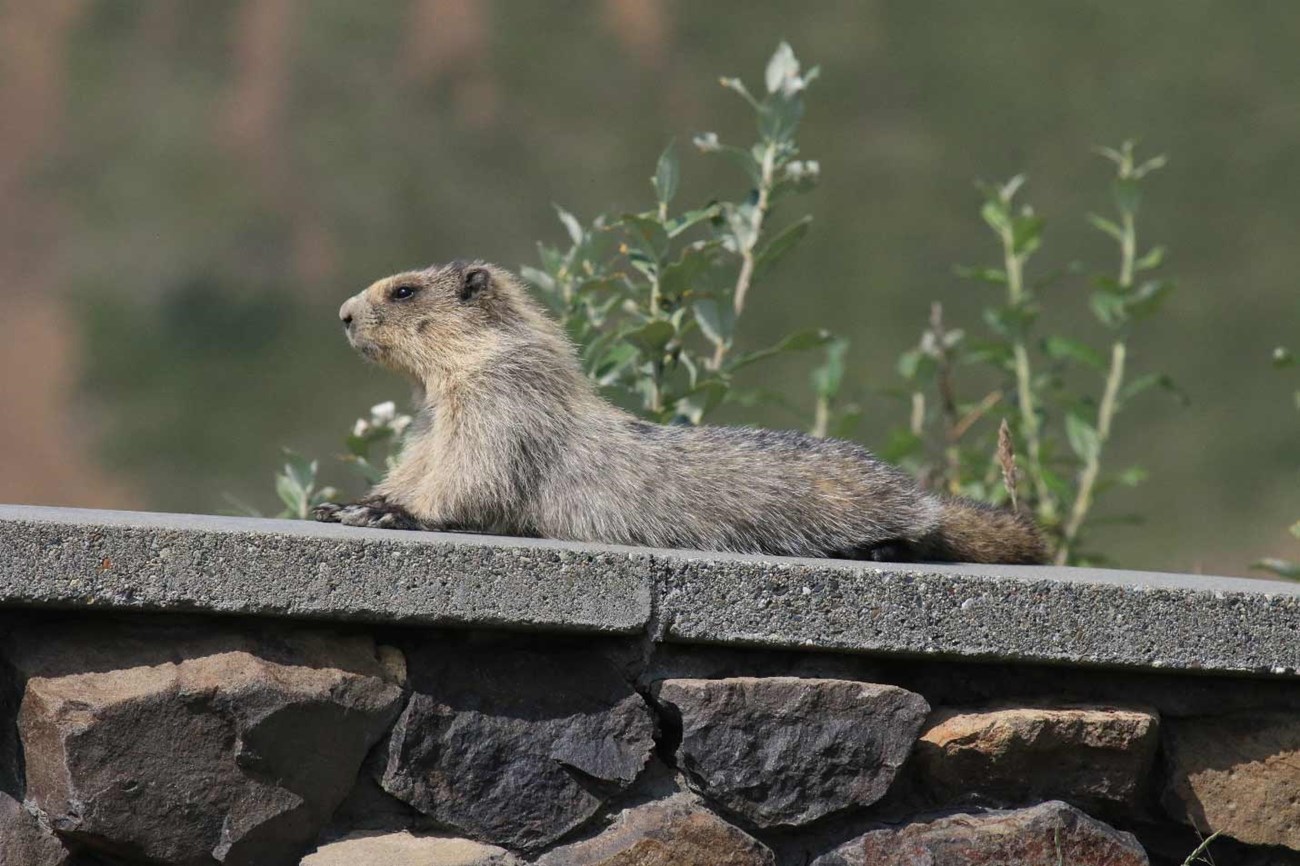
column 707, row 142
column 382, row 414
column 361, row 428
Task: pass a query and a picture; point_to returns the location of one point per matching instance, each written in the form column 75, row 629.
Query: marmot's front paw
column 371, row 514
column 327, row 512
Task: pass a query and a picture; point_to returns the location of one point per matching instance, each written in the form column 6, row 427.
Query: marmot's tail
column 971, row 531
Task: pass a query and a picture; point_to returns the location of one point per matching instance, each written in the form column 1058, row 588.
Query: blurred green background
column 188, row 189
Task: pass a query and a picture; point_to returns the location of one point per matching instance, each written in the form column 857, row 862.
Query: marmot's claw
column 326, row 512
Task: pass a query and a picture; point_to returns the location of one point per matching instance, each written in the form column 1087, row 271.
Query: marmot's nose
column 345, row 313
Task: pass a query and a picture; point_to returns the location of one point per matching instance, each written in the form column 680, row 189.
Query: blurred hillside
column 189, row 189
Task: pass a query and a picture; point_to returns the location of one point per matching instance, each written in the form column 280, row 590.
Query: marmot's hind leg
column 374, row 513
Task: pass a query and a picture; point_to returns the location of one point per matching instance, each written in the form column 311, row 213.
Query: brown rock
column 1092, row 756
column 404, row 849
column 1237, row 773
column 514, row 746
column 672, row 832
column 23, row 841
column 786, row 751
column 184, row 747
column 1049, row 834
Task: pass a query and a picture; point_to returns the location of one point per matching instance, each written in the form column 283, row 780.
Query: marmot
column 511, row 438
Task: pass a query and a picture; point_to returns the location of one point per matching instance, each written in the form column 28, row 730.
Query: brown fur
column 512, row 438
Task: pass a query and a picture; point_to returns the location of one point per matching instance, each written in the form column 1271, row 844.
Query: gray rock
column 1096, row 757
column 404, row 849
column 1049, row 834
column 672, row 832
column 24, row 842
column 186, row 745
column 512, row 746
column 786, row 751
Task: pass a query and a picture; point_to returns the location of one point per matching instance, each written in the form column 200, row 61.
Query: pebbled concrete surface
column 72, row 558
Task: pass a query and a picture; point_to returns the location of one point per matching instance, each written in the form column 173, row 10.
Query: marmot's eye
column 401, row 293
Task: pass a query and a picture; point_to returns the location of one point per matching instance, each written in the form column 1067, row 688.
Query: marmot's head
column 442, row 319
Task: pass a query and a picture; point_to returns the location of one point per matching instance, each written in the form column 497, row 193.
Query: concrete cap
column 103, row 560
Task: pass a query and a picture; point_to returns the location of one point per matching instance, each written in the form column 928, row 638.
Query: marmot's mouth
column 370, row 350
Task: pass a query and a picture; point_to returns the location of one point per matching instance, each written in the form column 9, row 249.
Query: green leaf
column 997, row 215
column 799, row 341
column 828, row 378
column 752, row 168
column 717, row 322
column 1083, row 437
column 994, row 352
column 702, row 399
column 538, row 278
column 1128, row 195
column 1064, row 349
column 1010, row 321
column 1152, row 164
column 652, row 337
column 1280, row 567
column 784, row 241
column 571, row 224
column 1147, row 298
column 915, row 365
column 607, row 368
column 1108, row 307
column 779, row 117
column 691, row 274
column 997, row 276
column 783, row 65
column 291, row 494
column 1026, row 233
column 647, row 233
column 1153, row 259
column 1105, row 225
column 1147, row 381
column 300, row 469
column 666, row 175
column 681, row 223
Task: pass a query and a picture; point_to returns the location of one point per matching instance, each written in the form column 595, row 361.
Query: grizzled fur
column 512, row 438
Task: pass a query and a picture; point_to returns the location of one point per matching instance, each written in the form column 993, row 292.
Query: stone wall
column 160, row 740
column 144, row 722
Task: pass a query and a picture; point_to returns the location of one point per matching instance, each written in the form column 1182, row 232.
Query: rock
column 1092, row 756
column 782, row 751
column 1237, row 773
column 404, row 849
column 23, row 841
column 184, row 746
column 512, row 746
column 1049, row 834
column 672, row 832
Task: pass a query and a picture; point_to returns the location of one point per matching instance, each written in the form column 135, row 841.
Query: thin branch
column 1024, row 382
column 747, row 261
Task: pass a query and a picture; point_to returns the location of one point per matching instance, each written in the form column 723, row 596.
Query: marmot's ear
column 475, row 282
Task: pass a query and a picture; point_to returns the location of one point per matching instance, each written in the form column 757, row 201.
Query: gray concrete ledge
column 127, row 561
